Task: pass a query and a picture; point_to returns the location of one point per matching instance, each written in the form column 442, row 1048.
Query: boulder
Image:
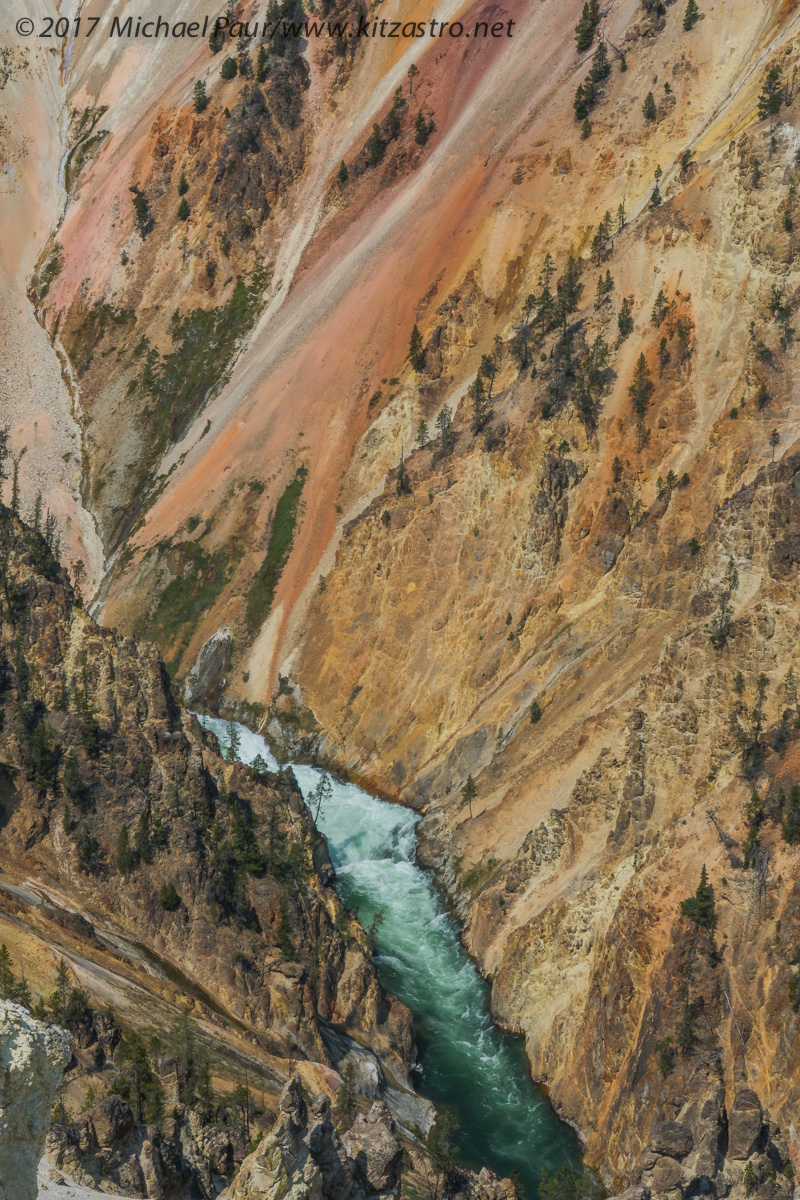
column 209, row 666
column 377, row 1155
column 33, row 1055
column 111, row 1119
column 745, row 1124
column 665, row 1176
column 672, row 1139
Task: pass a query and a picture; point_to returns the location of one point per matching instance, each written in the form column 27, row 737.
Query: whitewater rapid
column 481, row 1075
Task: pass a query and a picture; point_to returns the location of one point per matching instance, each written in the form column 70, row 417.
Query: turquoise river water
column 479, row 1074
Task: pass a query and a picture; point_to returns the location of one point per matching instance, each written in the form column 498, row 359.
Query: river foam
column 466, row 1065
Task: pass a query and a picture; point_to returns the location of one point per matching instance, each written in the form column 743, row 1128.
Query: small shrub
column 169, row 898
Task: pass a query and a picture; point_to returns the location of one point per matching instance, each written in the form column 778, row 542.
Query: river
column 466, row 1065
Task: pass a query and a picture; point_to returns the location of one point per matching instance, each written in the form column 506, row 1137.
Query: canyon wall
column 560, row 619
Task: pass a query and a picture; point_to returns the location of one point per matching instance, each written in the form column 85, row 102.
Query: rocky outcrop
column 207, row 670
column 304, row 1151
column 178, row 1156
column 749, row 1154
column 304, row 1156
column 33, row 1055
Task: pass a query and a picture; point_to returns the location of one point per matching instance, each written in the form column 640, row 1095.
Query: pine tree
column 569, row 289
column 234, row 742
column 200, row 97
column 535, row 712
column 125, row 856
column 691, row 15
column 663, row 356
column 790, row 826
column 422, row 130
column 480, row 412
column 343, row 173
column 487, row 370
column 594, row 379
column 601, row 67
column 59, row 1002
column 640, row 391
column 205, row 1091
column 772, row 96
column 183, row 185
column 376, row 146
column 183, row 209
column 700, row 907
column 135, row 1079
column 749, row 1178
column 416, row 353
column 444, row 426
column 8, row 984
column 346, row 1095
column 605, row 285
column 468, row 793
column 228, row 69
column 587, row 25
column 142, row 839
column 659, row 308
column 403, row 481
column 625, row 318
column 649, row 107
column 422, row 435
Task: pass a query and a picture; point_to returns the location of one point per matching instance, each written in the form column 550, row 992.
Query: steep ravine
column 478, row 1074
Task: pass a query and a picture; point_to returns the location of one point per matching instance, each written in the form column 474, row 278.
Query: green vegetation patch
column 262, row 589
column 205, row 341
column 185, row 599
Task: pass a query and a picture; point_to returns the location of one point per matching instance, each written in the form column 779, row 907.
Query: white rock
column 33, row 1055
